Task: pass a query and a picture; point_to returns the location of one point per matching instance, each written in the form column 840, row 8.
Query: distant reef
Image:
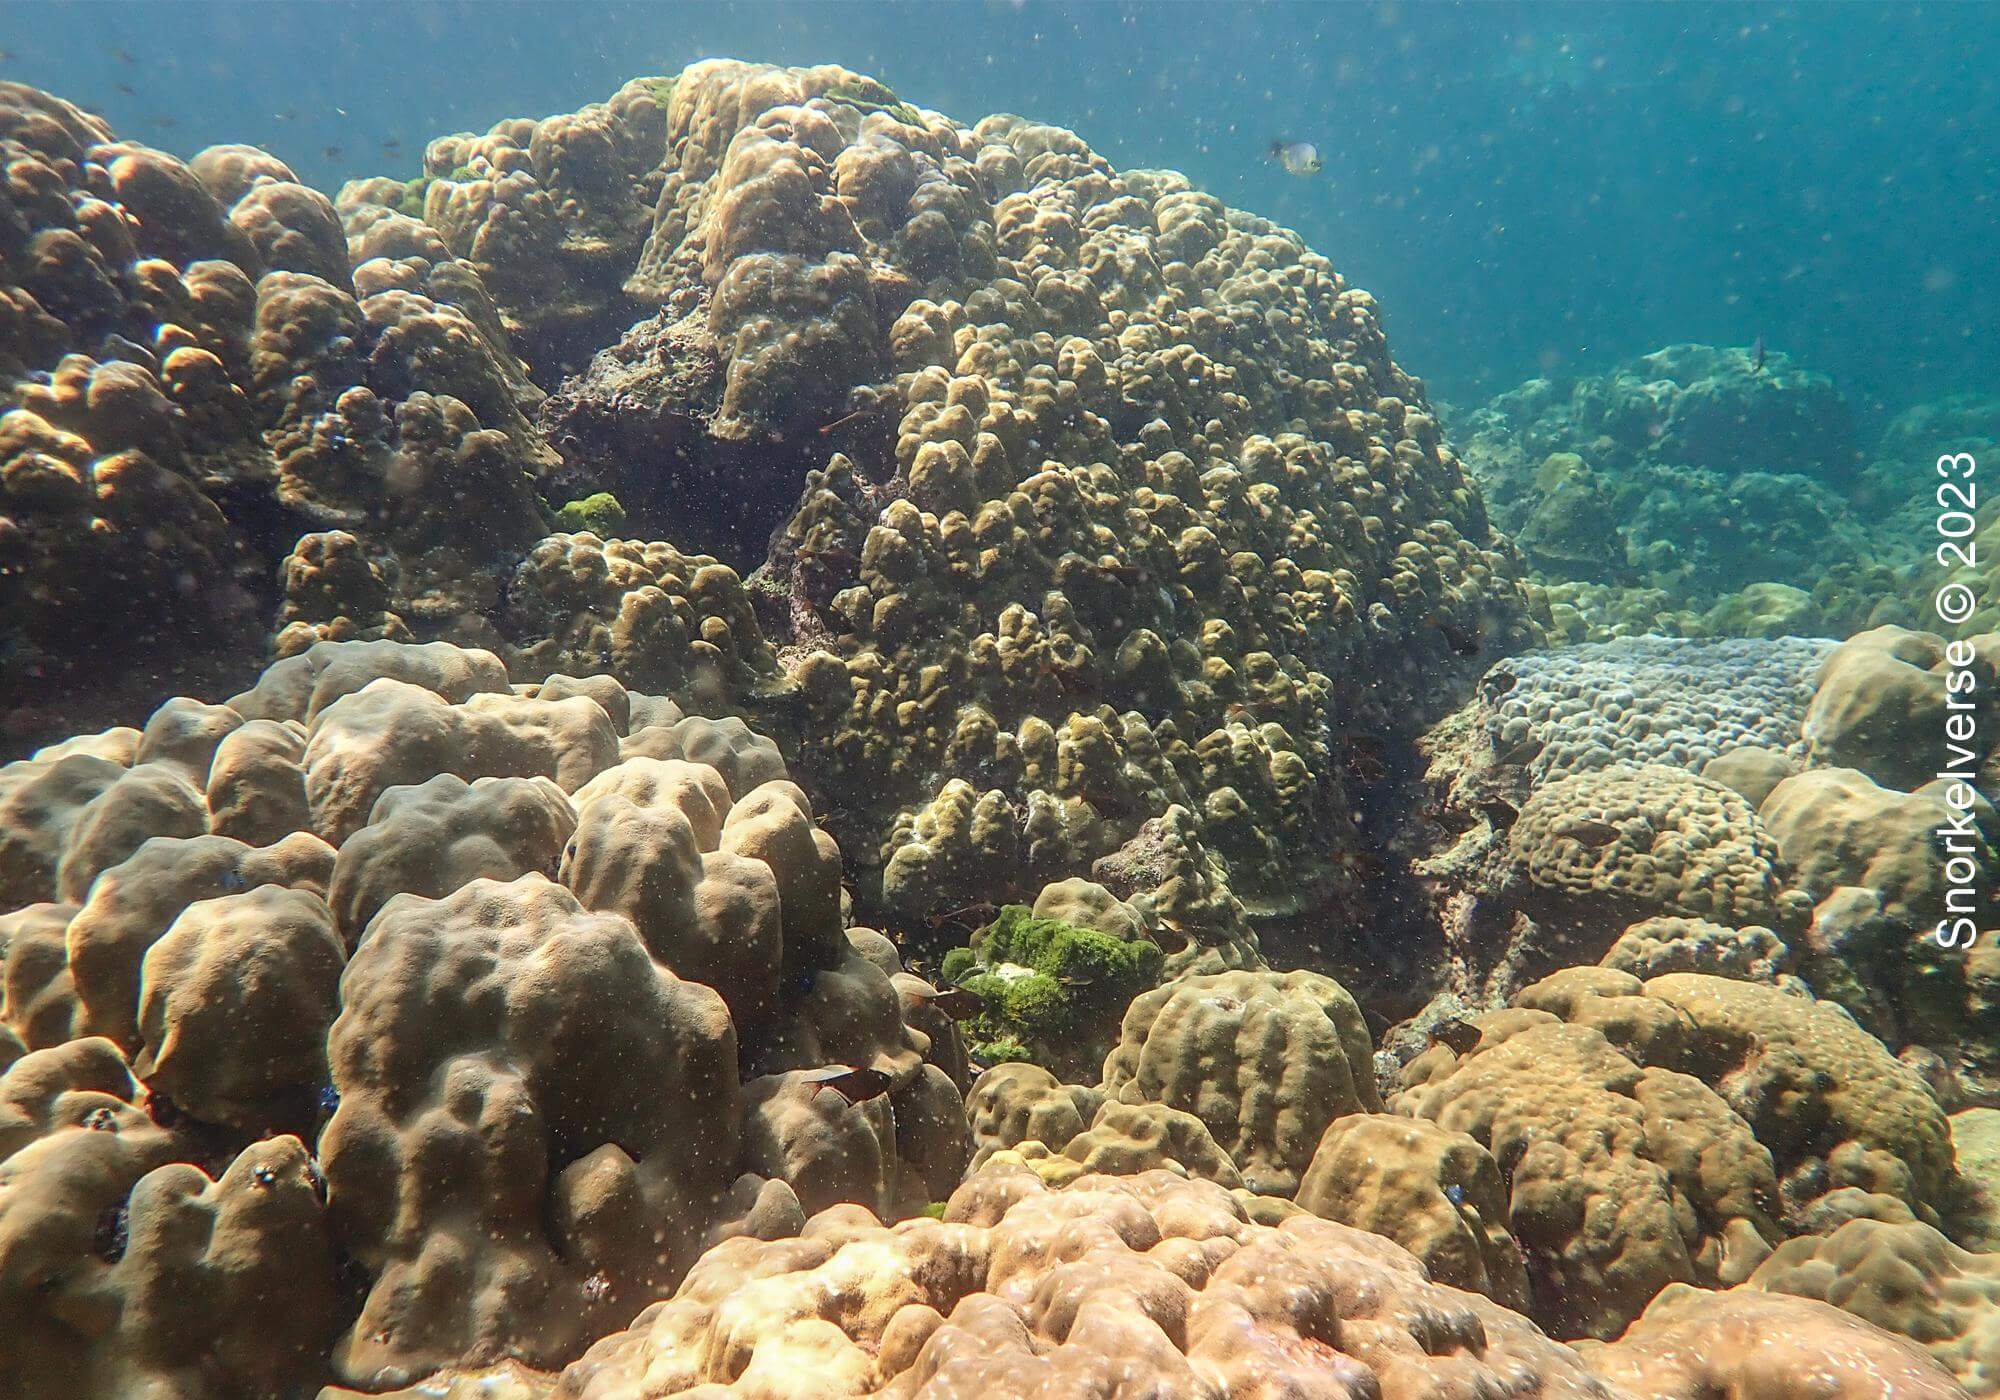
column 1701, row 491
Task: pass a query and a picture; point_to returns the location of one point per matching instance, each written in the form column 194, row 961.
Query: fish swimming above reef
column 1757, row 353
column 1298, row 157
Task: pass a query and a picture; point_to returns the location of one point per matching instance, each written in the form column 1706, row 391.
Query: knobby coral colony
column 1063, row 578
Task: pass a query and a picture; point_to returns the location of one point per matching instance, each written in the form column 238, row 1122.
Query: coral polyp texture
column 1155, row 1284
column 531, row 1004
column 1028, row 503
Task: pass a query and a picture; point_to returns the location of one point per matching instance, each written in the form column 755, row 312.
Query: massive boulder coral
column 1435, row 1192
column 1049, row 447
column 193, row 378
column 1163, row 1285
column 1691, row 1343
column 1620, row 1177
column 1626, row 842
column 554, row 981
column 1265, row 1060
column 125, row 1269
column 1006, row 483
column 1833, row 1108
column 1881, row 701
column 1905, row 1278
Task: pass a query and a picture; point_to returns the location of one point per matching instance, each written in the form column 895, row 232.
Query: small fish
column 1757, row 355
column 1457, row 1034
column 1588, row 831
column 1298, row 157
column 390, row 143
column 1460, row 639
column 955, row 1002
column 126, row 88
column 856, row 1085
column 329, row 1099
column 872, row 410
column 1123, row 573
column 1498, row 682
column 1455, row 1194
column 122, row 56
column 290, row 114
column 6, row 55
column 166, row 121
column 1501, row 813
column 332, row 152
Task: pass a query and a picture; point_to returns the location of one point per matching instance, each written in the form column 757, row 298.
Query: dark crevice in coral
column 638, row 421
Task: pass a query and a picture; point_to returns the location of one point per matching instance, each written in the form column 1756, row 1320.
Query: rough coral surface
column 194, row 377
column 1907, row 1279
column 1156, row 1284
column 1266, row 1060
column 572, row 998
column 1620, row 1178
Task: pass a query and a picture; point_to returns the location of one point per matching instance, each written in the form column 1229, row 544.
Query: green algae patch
column 598, row 515
column 411, row 200
column 868, row 95
column 1052, row 993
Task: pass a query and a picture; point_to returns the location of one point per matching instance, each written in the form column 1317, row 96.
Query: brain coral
column 553, row 984
column 1157, row 1284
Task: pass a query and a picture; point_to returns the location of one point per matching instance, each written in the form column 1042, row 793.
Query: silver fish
column 1298, row 157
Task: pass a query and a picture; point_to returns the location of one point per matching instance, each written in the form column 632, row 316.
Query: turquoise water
column 1528, row 188
column 681, row 718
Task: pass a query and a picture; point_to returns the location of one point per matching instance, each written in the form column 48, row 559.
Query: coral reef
column 194, row 379
column 1905, row 1278
column 1742, row 500
column 1163, row 1285
column 542, row 989
column 660, row 539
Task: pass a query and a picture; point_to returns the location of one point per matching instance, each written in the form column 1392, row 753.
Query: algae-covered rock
column 1052, row 992
column 598, row 514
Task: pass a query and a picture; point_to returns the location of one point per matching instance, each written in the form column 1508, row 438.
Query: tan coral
column 1881, row 702
column 1907, row 1279
column 1165, row 1284
column 1620, row 1178
column 1835, row 1108
column 1265, row 1060
column 107, row 1230
column 1691, row 1343
column 1435, row 1192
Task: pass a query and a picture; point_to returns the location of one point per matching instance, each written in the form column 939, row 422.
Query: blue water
column 1527, row 188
